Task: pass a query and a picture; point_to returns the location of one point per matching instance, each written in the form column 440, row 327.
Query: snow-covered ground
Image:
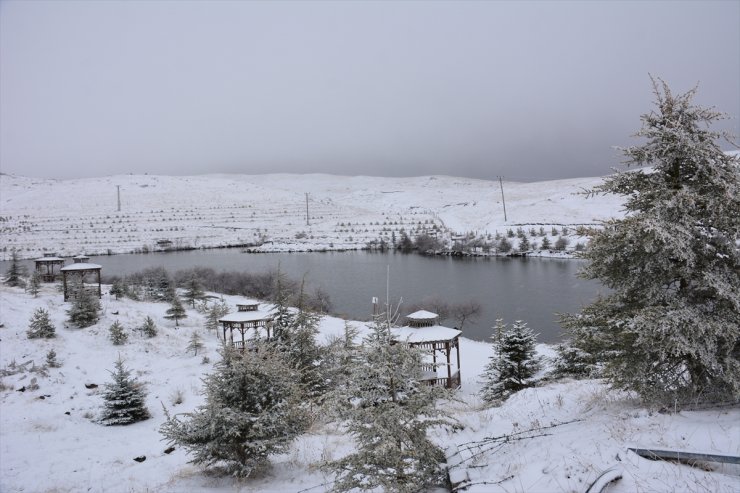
column 49, row 441
column 68, row 217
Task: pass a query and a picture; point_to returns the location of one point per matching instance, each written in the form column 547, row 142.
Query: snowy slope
column 72, row 216
column 49, row 441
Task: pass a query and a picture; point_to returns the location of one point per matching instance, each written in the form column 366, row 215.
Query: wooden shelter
column 47, row 267
column 247, row 317
column 74, row 278
column 423, row 331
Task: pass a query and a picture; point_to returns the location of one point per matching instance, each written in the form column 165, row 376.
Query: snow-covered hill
column 49, row 440
column 68, row 217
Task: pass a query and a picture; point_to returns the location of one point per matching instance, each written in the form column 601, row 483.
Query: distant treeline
column 158, row 284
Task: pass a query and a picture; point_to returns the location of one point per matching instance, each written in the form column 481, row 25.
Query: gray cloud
column 529, row 90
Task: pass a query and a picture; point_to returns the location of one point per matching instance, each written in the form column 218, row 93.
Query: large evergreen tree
column 251, row 411
column 670, row 326
column 125, row 399
column 389, row 419
column 513, row 363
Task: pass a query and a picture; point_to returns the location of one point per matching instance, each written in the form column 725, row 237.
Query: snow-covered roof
column 82, row 266
column 425, row 334
column 247, row 301
column 50, row 259
column 246, row 316
column 422, row 315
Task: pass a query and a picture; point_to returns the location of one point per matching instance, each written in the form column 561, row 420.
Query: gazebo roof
column 252, row 316
column 422, row 315
column 82, row 266
column 433, row 333
column 248, row 301
column 50, row 259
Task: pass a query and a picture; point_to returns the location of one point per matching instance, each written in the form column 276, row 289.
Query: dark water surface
column 530, row 289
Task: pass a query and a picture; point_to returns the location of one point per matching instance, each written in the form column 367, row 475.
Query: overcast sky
column 527, row 90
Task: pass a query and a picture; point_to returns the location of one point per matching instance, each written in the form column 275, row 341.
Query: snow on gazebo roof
column 82, row 266
column 422, row 315
column 248, row 301
column 50, row 259
column 433, row 333
column 252, row 316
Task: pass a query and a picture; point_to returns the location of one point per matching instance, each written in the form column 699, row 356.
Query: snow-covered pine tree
column 34, row 283
column 149, row 328
column 51, row 359
column 524, row 244
column 195, row 344
column 546, row 245
column 215, row 313
column 85, row 308
column 117, row 334
column 176, row 311
column 13, row 276
column 389, row 421
column 670, row 326
column 250, row 411
column 124, row 399
column 513, row 363
column 193, row 290
column 341, row 353
column 118, row 289
column 40, row 325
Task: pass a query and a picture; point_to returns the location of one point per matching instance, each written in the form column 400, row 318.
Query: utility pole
column 503, row 200
column 307, row 224
column 119, row 197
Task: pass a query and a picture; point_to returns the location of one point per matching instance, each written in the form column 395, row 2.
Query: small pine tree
column 13, row 276
column 125, row 399
column 149, row 328
column 117, row 335
column 524, row 244
column 513, row 363
column 504, row 246
column 118, row 289
column 546, row 243
column 251, row 411
column 40, row 326
column 389, row 423
column 195, row 344
column 34, row 283
column 85, row 309
column 215, row 313
column 193, row 291
column 176, row 310
column 51, row 359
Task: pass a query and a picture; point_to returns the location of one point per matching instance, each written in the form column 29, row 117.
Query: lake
column 528, row 289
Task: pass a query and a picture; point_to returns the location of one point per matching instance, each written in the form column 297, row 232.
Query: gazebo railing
column 450, row 383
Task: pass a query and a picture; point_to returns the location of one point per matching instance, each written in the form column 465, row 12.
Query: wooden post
column 449, row 365
column 457, row 348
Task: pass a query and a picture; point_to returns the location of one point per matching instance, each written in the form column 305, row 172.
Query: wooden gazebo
column 423, row 331
column 47, row 267
column 74, row 277
column 247, row 317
